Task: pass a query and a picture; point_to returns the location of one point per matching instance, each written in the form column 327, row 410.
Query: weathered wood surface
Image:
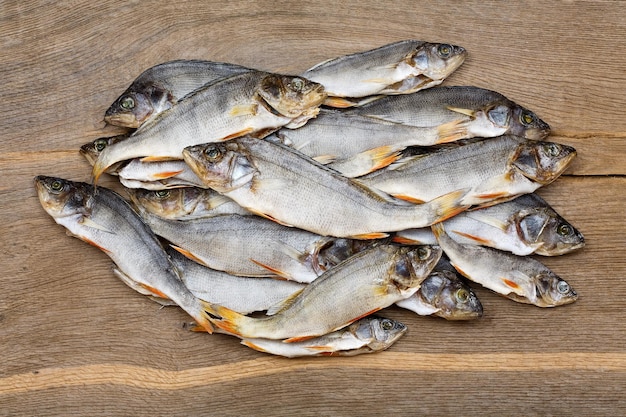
column 75, row 340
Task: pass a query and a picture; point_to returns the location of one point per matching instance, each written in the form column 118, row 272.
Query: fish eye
column 444, row 50
column 462, row 296
column 386, row 324
column 562, row 287
column 526, row 118
column 552, row 149
column 162, row 193
column 100, row 144
column 423, row 253
column 212, row 153
column 297, row 84
column 127, row 103
column 56, row 185
column 564, row 230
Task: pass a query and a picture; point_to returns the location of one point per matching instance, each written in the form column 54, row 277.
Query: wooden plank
column 75, row 340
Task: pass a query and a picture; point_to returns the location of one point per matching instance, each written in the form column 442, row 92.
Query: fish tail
column 438, row 230
column 222, row 317
column 205, row 318
column 449, row 205
column 452, row 131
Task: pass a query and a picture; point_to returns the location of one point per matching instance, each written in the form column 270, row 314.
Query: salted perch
column 252, row 102
column 361, row 285
column 397, row 68
column 284, row 185
column 522, row 226
column 519, row 278
column 460, row 112
column 368, row 335
column 184, row 203
column 162, row 86
column 105, row 220
column 493, row 170
column 244, row 245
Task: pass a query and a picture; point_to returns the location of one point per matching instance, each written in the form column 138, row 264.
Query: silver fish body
column 397, row 68
column 280, row 183
column 162, row 86
column 102, row 218
column 244, row 245
column 368, row 335
column 494, row 170
column 252, row 102
column 458, row 112
column 184, row 203
column 361, row 285
column 242, row 294
column 158, row 175
column 519, row 278
column 352, row 144
column 521, row 226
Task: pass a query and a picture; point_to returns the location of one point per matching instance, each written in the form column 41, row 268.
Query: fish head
column 91, row 151
column 541, row 161
column 453, row 299
column 129, row 110
column 164, row 203
column 527, row 124
column 291, row 96
column 413, row 264
column 552, row 290
column 379, row 331
column 221, row 166
column 549, row 232
column 63, row 198
column 437, row 60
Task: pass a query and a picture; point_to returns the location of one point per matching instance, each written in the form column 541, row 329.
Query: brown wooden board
column 76, row 341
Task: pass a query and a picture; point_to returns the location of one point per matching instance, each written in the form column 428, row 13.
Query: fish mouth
column 122, row 120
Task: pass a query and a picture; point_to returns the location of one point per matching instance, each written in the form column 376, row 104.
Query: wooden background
column 74, row 340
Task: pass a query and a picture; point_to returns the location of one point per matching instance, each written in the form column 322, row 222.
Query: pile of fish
column 259, row 202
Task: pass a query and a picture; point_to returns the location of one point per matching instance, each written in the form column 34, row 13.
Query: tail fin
column 223, row 318
column 205, row 318
column 449, row 205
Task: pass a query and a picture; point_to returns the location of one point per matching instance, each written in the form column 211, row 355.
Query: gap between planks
column 151, row 378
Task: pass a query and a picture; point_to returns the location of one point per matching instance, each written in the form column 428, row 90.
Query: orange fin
column 253, row 346
column 510, row 283
column 158, row 159
column 438, row 230
column 467, row 112
column 238, row 134
column 452, row 131
column 449, row 205
column 166, row 174
column 363, row 315
column 92, row 243
column 267, row 216
column 339, row 102
column 480, row 240
column 408, row 198
column 373, row 235
column 189, row 255
column 382, row 156
column 321, row 348
column 153, row 290
column 222, row 317
column 271, row 269
column 493, row 195
column 405, row 240
column 244, row 110
column 298, row 339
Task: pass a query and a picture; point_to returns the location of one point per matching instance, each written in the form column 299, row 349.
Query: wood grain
column 77, row 341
